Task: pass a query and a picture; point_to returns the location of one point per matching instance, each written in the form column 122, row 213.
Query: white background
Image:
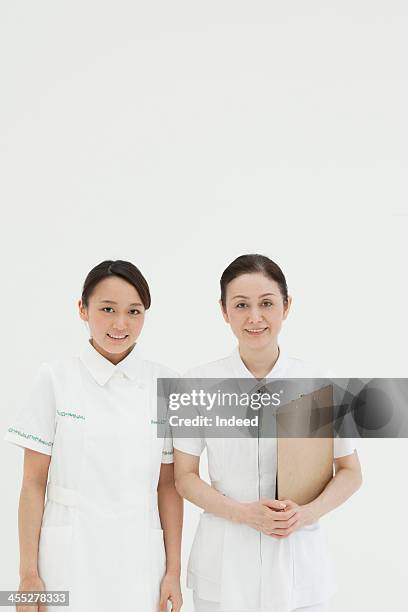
column 179, row 135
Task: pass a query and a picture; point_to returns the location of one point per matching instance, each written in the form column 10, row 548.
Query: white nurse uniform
column 233, row 564
column 101, row 536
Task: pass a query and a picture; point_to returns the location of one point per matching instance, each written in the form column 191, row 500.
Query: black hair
column 123, row 269
column 253, row 263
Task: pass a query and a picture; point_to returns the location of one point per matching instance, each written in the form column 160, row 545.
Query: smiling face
column 115, row 315
column 255, row 309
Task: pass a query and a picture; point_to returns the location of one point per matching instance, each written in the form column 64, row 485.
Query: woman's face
column 255, row 310
column 115, row 315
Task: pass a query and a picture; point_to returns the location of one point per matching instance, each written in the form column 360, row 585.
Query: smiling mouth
column 256, row 332
column 112, row 337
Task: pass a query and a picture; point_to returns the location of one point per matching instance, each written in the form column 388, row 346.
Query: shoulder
column 157, row 370
column 55, row 369
column 296, row 367
column 213, row 369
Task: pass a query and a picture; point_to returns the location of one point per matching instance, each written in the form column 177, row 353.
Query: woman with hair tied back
column 252, row 552
column 110, row 530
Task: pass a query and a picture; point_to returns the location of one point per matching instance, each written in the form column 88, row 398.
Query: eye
column 240, row 305
column 267, row 303
column 135, row 311
column 106, row 308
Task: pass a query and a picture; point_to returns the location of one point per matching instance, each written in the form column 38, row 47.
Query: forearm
column 30, row 513
column 171, row 516
column 209, row 499
column 339, row 489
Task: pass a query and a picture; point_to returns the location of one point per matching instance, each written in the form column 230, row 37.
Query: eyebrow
column 112, row 302
column 245, row 297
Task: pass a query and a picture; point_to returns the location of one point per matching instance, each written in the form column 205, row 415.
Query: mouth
column 118, row 339
column 256, row 331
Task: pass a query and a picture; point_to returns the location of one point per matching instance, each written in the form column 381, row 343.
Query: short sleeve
column 34, row 425
column 344, row 446
column 167, row 453
column 192, row 446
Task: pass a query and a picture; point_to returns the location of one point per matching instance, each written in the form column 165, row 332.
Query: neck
column 259, row 361
column 112, row 357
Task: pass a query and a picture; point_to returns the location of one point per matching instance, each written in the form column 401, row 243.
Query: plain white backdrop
column 180, row 135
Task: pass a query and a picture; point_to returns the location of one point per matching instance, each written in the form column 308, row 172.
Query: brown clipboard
column 305, row 464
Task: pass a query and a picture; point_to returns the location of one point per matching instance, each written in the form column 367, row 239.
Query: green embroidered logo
column 29, row 436
column 153, row 422
column 168, row 452
column 71, row 414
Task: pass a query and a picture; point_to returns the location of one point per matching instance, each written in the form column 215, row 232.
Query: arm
column 346, row 481
column 171, row 516
column 259, row 514
column 30, row 512
column 31, row 508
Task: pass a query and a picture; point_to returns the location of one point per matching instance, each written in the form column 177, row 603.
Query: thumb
column 163, row 604
column 289, row 503
column 275, row 504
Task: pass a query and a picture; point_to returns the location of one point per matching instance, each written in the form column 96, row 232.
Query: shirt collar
column 102, row 369
column 241, row 371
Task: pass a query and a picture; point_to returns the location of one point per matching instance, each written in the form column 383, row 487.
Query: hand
column 170, row 590
column 304, row 516
column 31, row 583
column 266, row 515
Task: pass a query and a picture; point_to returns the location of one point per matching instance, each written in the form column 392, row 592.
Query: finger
column 273, row 503
column 163, row 604
column 286, row 524
column 284, row 532
column 286, row 515
column 176, row 606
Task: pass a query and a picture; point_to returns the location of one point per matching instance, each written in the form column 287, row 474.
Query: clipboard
column 305, row 464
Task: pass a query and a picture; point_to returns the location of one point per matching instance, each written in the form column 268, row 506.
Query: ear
column 287, row 307
column 83, row 312
column 224, row 313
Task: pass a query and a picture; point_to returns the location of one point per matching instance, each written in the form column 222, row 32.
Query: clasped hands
column 275, row 518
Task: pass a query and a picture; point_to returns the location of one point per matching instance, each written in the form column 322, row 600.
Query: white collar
column 241, row 371
column 102, row 369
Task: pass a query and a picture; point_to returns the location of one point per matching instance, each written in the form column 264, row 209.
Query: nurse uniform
column 101, row 536
column 232, row 565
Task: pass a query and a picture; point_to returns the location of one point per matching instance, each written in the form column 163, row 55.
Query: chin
column 115, row 349
column 258, row 342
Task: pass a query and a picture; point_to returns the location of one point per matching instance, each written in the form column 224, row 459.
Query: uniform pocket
column 54, row 555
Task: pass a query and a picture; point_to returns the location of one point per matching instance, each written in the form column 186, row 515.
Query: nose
column 254, row 315
column 120, row 323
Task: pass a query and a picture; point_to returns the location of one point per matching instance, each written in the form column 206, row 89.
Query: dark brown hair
column 123, row 269
column 253, row 263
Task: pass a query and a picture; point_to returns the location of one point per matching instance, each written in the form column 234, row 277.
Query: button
column 119, row 374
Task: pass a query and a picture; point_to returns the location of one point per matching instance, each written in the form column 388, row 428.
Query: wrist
column 29, row 573
column 174, row 571
column 239, row 512
column 313, row 511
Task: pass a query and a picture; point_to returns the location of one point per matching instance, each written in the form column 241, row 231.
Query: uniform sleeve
column 168, row 454
column 344, row 446
column 34, row 425
column 192, row 446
